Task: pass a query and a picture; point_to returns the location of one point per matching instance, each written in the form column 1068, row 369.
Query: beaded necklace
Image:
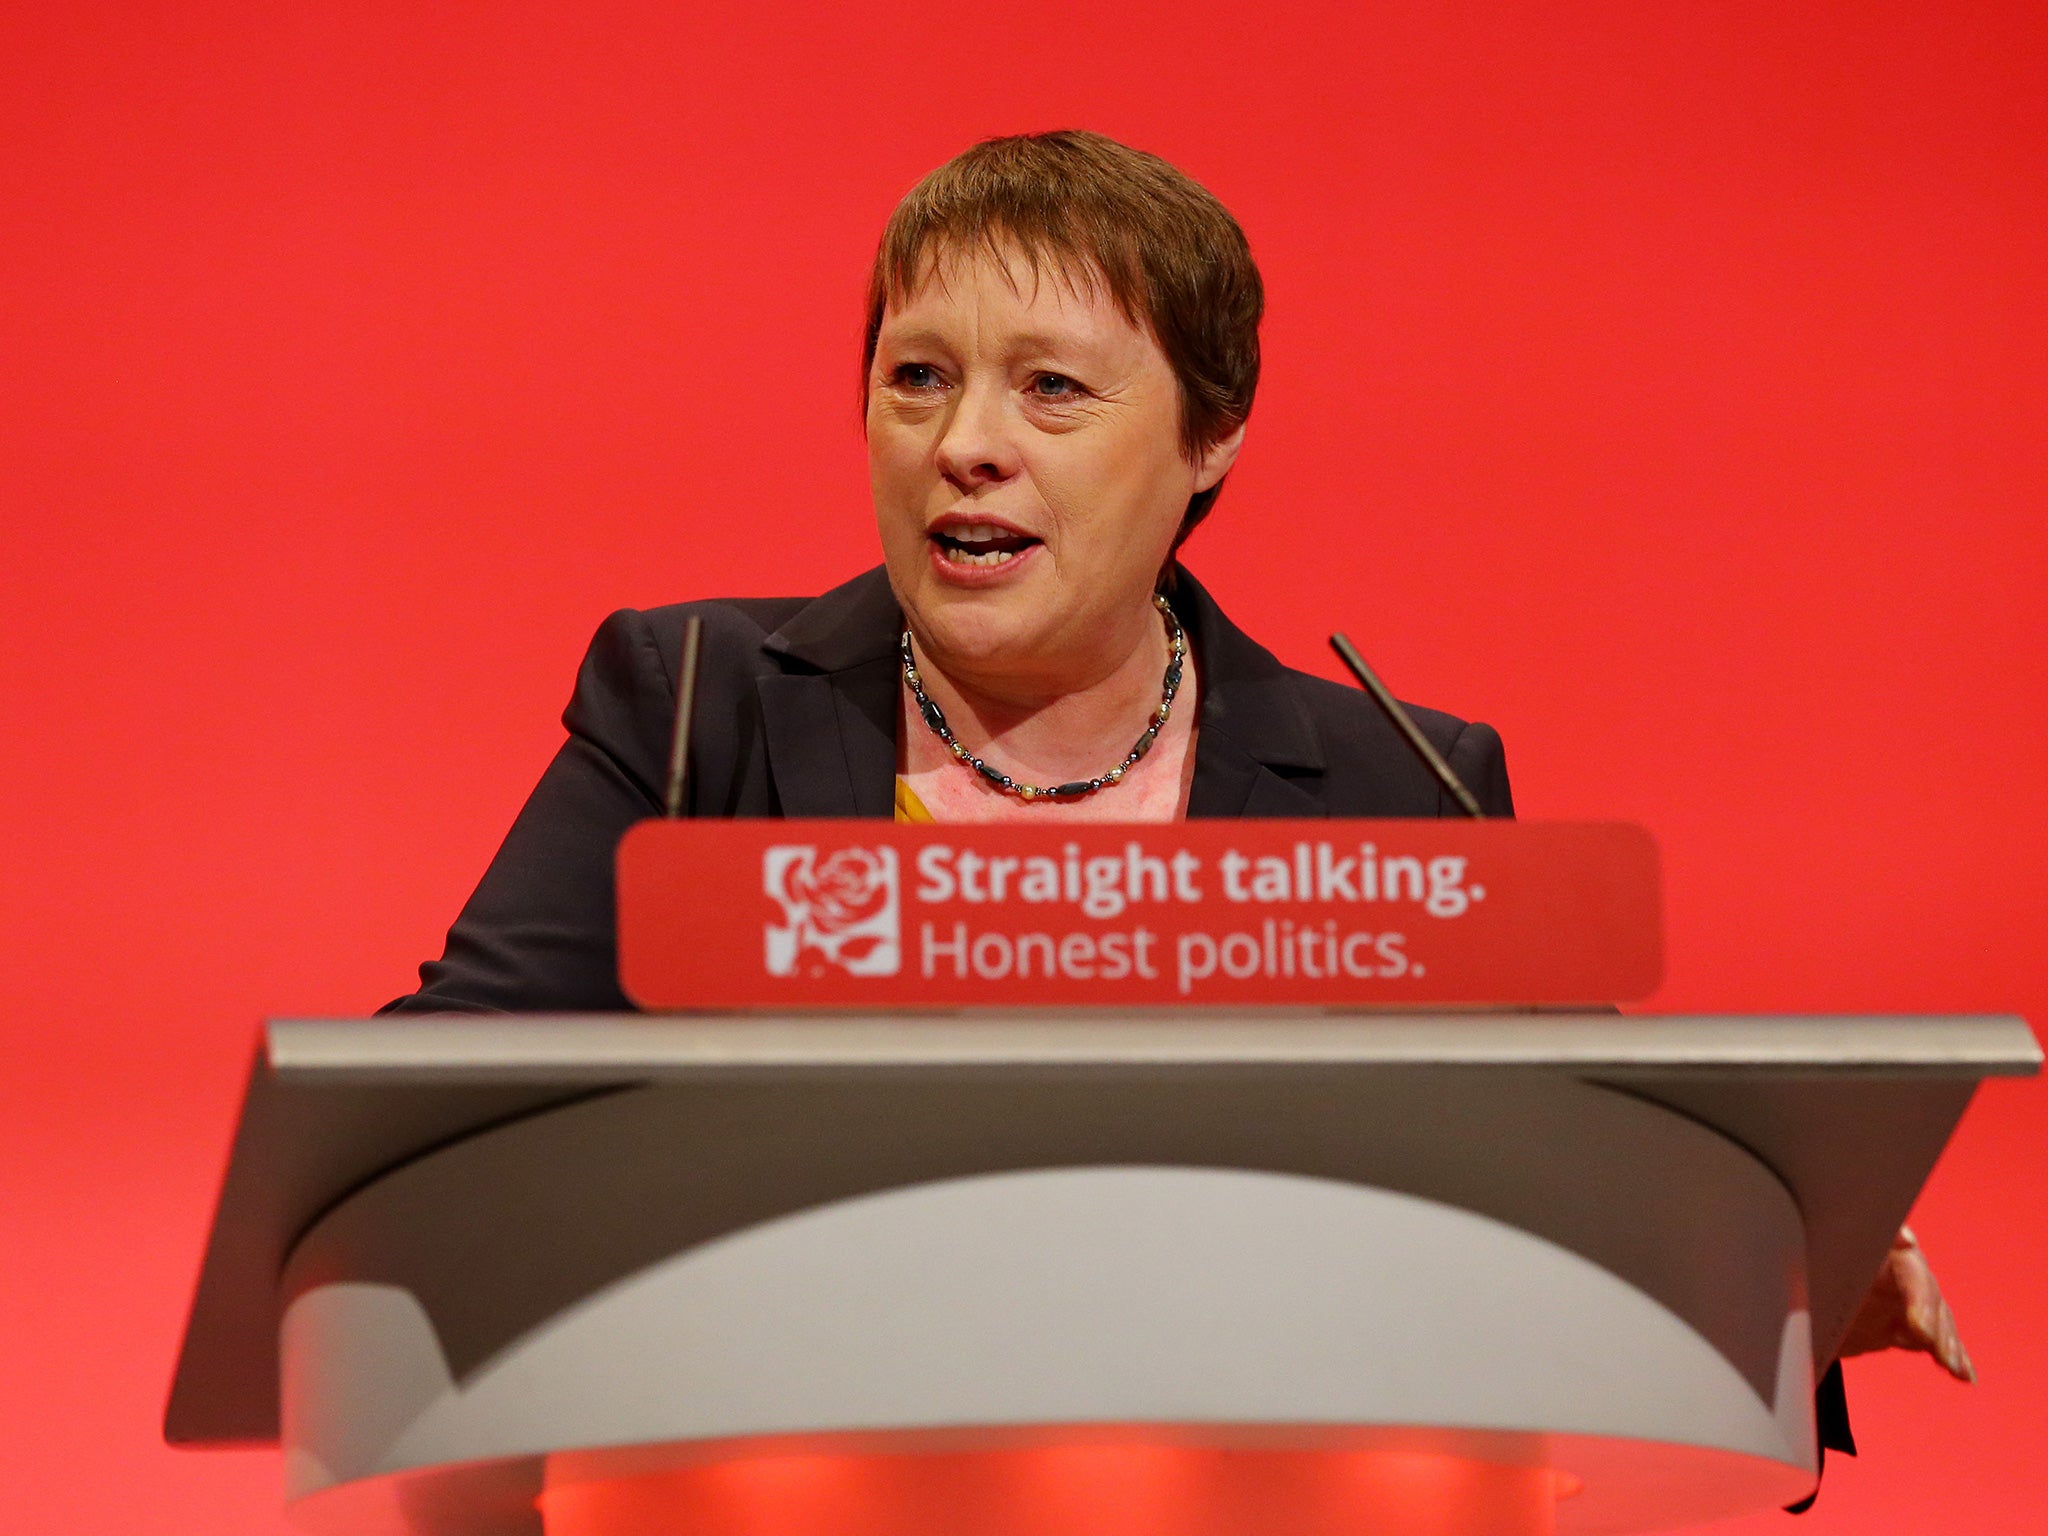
column 1177, row 643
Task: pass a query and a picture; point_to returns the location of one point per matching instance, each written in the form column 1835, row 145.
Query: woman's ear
column 1214, row 461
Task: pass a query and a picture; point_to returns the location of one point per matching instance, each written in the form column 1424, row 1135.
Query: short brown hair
column 1170, row 254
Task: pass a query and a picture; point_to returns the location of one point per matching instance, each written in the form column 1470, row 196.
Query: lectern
column 1220, row 1273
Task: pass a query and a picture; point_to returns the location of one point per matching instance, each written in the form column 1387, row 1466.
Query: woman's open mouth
column 980, row 544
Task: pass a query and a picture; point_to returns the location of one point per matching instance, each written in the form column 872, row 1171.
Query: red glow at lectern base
column 1097, row 1488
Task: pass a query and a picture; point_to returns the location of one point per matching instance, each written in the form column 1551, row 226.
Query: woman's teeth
column 981, row 544
column 955, row 555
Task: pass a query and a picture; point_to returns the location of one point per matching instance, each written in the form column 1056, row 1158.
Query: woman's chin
column 979, row 637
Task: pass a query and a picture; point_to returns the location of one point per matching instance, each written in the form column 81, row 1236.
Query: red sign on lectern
column 870, row 914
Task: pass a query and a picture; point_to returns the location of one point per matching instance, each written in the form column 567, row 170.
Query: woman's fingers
column 1933, row 1325
column 1905, row 1310
column 1949, row 1350
column 1923, row 1307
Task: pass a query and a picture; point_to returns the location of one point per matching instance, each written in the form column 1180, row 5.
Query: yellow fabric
column 908, row 806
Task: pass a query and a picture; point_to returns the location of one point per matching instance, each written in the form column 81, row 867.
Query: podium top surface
column 1850, row 1112
column 616, row 1048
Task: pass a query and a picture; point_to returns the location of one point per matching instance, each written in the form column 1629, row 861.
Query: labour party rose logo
column 841, row 912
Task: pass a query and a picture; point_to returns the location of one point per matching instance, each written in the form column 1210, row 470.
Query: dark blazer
column 796, row 715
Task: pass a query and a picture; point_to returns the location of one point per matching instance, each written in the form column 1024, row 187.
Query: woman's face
column 1024, row 450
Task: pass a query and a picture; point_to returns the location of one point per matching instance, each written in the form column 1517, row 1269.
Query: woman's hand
column 1904, row 1310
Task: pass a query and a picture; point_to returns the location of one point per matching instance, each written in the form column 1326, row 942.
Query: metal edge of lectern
column 465, row 1073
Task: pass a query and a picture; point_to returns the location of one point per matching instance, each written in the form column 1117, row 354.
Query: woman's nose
column 976, row 447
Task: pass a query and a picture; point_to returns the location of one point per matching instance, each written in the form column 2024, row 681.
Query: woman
column 1061, row 356
column 1062, row 349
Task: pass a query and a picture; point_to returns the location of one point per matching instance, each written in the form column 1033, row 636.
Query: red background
column 1662, row 383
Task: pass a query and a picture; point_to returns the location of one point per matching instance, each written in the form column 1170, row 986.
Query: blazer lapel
column 830, row 714
column 1230, row 781
column 1257, row 752
column 806, row 759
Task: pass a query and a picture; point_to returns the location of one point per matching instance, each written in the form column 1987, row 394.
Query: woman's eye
column 915, row 376
column 1054, row 386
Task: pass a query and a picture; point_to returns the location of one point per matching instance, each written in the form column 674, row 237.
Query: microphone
column 686, row 706
column 1405, row 724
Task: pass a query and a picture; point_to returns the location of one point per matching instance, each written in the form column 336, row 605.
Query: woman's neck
column 1049, row 732
column 1044, row 737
